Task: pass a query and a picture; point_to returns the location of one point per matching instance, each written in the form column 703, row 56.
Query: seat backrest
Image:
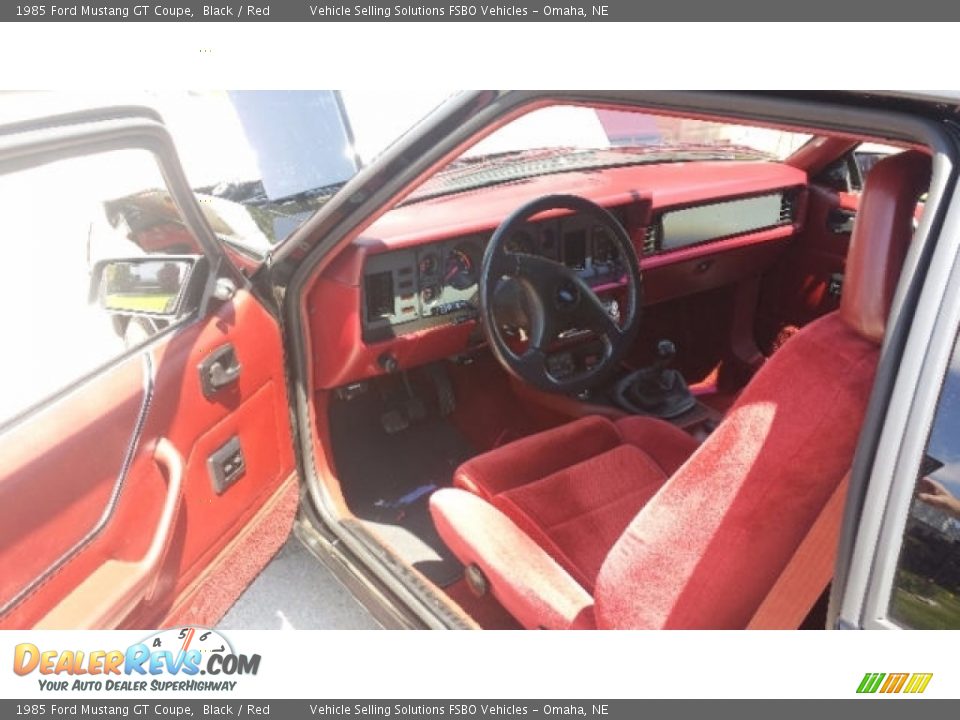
column 707, row 548
column 881, row 236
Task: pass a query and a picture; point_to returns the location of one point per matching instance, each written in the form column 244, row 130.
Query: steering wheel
column 546, row 298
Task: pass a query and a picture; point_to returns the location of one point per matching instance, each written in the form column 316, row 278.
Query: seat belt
column 809, row 571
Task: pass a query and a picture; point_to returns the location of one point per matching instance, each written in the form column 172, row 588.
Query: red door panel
column 69, row 455
column 47, row 505
column 255, row 411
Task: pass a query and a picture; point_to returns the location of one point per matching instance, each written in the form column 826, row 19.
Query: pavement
column 295, row 591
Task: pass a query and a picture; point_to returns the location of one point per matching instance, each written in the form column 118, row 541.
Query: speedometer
column 604, row 248
column 460, row 271
column 521, row 242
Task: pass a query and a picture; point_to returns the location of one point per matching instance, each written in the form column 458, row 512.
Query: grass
column 929, row 608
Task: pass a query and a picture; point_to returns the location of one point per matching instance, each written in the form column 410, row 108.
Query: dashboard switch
column 388, row 362
column 226, row 465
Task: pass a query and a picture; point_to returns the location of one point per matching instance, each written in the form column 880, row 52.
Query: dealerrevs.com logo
column 169, row 660
column 890, row 683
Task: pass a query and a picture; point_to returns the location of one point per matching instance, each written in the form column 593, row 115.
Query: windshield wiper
column 510, row 156
column 499, row 168
column 703, row 151
column 252, row 192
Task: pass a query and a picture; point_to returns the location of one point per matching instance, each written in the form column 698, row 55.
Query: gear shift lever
column 656, row 390
column 666, row 352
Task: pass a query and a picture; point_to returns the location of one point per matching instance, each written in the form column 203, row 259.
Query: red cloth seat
column 575, row 488
column 630, row 525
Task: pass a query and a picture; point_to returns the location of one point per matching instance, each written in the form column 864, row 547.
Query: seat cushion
column 575, row 488
column 577, row 514
column 536, row 456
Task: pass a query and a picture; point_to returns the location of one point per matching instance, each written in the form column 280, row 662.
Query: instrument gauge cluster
column 447, row 278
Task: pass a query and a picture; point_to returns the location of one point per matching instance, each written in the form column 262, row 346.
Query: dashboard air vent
column 651, row 238
column 788, row 207
column 378, row 290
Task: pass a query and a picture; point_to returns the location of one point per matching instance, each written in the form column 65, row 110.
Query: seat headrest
column 881, row 236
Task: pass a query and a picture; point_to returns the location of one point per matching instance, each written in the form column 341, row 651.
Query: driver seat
column 630, row 524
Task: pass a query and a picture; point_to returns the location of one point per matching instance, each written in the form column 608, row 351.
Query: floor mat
column 295, row 591
column 387, row 480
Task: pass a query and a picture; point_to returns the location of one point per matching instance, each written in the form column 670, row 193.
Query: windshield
column 566, row 138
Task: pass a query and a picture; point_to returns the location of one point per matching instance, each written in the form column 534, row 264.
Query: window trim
column 56, row 396
column 34, row 143
column 906, row 430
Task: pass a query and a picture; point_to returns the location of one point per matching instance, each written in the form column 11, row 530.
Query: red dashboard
column 403, row 291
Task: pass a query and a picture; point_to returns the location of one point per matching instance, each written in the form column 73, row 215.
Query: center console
column 662, row 392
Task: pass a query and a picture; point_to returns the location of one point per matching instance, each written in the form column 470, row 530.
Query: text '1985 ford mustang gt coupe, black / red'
column 552, row 360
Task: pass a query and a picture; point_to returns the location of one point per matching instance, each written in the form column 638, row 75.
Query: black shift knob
column 666, row 351
column 656, row 389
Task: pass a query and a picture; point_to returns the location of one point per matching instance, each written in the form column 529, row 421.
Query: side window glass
column 926, row 589
column 97, row 260
column 866, row 158
column 843, row 175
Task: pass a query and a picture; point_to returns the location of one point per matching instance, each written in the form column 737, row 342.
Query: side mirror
column 158, row 286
